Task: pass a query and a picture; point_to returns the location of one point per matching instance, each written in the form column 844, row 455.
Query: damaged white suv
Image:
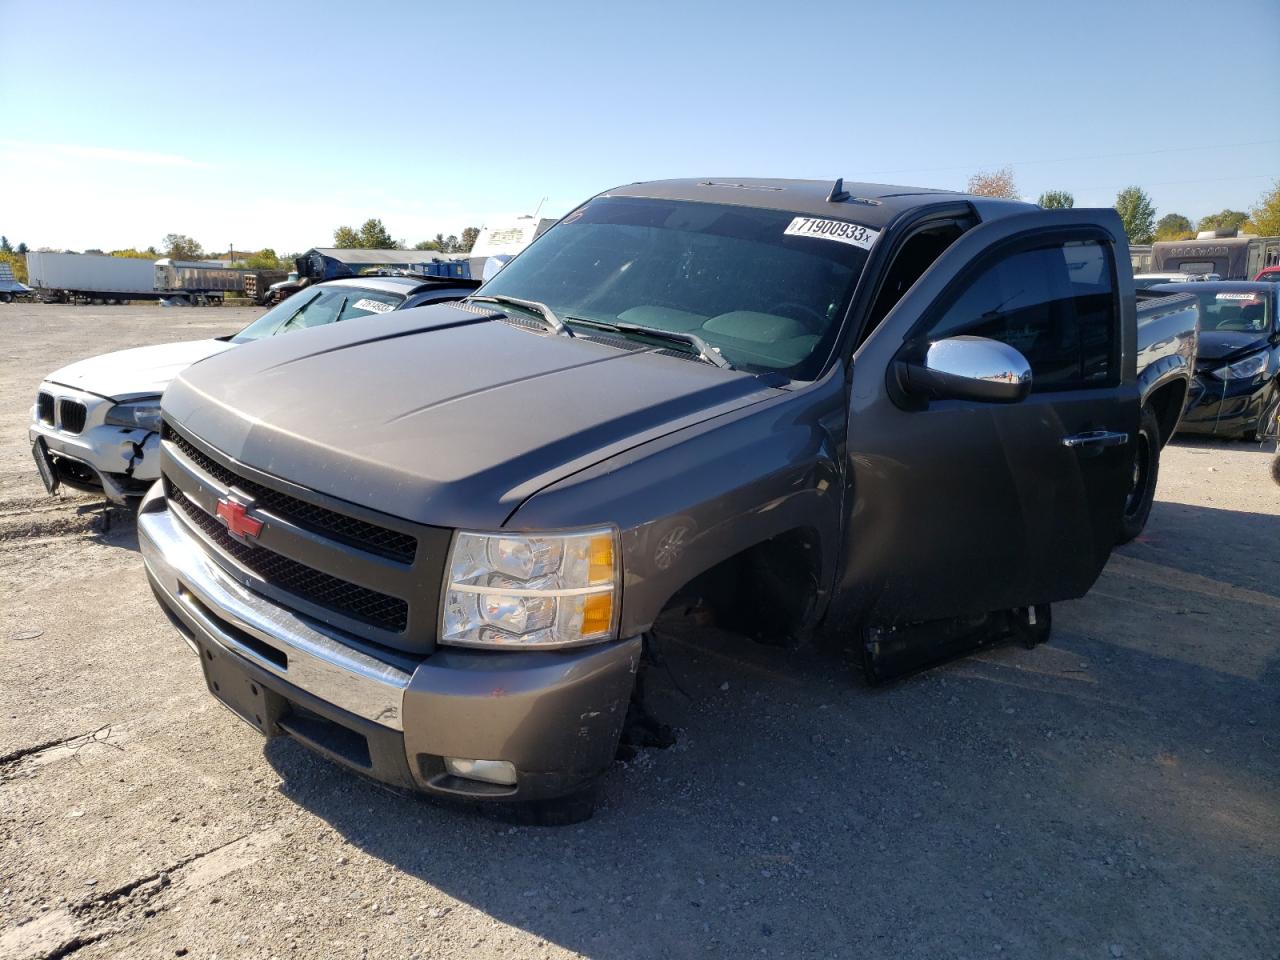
column 94, row 425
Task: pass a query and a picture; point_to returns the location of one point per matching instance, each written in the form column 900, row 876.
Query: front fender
column 694, row 498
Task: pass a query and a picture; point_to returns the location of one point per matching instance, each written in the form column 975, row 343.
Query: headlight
column 140, row 414
column 524, row 590
column 1243, row 369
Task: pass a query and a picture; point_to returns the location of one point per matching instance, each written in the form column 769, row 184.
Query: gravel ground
column 1110, row 794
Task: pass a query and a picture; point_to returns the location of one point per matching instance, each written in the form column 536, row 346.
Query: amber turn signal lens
column 601, row 556
column 597, row 614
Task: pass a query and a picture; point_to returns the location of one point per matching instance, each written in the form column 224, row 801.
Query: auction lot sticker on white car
column 373, row 306
column 838, row 230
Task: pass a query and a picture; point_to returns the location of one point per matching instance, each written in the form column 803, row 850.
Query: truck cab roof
column 872, row 204
column 401, row 285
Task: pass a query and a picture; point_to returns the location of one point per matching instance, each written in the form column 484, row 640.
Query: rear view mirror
column 968, row 368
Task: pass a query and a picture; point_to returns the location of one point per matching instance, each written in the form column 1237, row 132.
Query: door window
column 1054, row 303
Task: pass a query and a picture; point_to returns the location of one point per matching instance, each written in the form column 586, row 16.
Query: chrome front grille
column 374, row 576
column 359, row 603
column 391, row 544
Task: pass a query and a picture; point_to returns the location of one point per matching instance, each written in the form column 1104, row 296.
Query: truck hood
column 443, row 414
column 140, row 372
column 1226, row 344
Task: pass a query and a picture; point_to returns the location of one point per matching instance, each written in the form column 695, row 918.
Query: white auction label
column 838, row 230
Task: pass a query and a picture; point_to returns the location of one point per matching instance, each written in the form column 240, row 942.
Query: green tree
column 1056, row 200
column 4, row 245
column 1225, row 219
column 374, row 236
column 345, row 238
column 133, row 254
column 1173, row 226
column 264, row 259
column 469, row 235
column 178, row 246
column 22, row 249
column 427, row 244
column 994, row 183
column 1137, row 213
column 1264, row 218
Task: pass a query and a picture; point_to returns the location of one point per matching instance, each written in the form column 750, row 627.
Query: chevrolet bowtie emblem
column 235, row 517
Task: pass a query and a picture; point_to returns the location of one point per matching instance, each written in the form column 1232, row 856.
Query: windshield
column 731, row 275
column 1245, row 311
column 317, row 306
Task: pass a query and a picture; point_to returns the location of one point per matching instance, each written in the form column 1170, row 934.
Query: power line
column 1096, row 156
column 1165, row 183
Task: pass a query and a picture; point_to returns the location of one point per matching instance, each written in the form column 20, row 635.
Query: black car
column 1237, row 384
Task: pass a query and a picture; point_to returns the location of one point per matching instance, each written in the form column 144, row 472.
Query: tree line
column 1138, row 213
column 372, row 235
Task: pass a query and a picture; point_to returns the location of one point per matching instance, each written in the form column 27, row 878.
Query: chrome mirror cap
column 971, row 368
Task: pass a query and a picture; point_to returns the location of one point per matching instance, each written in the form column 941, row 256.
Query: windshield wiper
column 533, row 306
column 703, row 349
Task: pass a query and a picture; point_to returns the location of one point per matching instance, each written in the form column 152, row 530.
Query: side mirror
column 968, row 368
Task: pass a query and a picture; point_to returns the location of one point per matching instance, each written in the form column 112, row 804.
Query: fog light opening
column 486, row 771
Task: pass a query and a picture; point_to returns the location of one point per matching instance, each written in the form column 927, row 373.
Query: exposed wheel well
column 769, row 592
column 1166, row 402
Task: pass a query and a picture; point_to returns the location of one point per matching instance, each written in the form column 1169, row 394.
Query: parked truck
column 87, row 277
column 198, row 281
column 1226, row 253
column 258, row 283
column 906, row 418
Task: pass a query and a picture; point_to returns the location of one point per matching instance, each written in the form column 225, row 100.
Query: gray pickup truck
column 430, row 545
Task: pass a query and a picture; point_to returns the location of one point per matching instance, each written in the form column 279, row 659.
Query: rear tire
column 1146, row 471
column 6, row 297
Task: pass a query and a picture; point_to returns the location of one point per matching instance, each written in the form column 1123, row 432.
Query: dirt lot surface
column 1115, row 793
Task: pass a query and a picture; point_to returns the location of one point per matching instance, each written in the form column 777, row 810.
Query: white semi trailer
column 66, row 277
column 87, row 277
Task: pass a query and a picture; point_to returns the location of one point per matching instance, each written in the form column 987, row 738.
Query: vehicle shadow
column 1051, row 800
column 1241, row 548
column 111, row 524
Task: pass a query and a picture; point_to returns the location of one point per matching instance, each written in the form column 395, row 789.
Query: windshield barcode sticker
column 838, row 230
column 373, row 306
column 1252, row 297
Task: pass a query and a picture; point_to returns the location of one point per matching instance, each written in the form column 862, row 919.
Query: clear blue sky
column 269, row 124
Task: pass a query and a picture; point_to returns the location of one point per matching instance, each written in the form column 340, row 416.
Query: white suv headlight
column 531, row 590
column 140, row 414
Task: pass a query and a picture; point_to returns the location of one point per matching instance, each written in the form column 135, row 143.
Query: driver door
column 962, row 507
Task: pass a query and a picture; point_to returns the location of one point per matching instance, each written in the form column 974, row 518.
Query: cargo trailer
column 69, row 277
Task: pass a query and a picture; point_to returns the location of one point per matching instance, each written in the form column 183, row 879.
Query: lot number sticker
column 837, row 230
column 373, row 306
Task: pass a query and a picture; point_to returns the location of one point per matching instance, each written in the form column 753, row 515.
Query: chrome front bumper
column 207, row 598
column 554, row 715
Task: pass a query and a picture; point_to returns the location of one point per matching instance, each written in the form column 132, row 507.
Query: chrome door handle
column 1095, row 439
